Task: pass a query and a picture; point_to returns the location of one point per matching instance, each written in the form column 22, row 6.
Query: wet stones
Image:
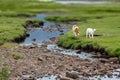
column 113, row 59
column 65, row 78
column 28, row 77
column 40, row 61
column 73, row 75
column 103, row 60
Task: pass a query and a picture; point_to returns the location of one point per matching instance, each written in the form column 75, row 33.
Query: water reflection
column 81, row 2
column 43, row 35
column 42, row 17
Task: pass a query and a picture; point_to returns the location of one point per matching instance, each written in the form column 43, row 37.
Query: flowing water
column 42, row 35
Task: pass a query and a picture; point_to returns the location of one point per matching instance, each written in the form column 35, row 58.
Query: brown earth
column 39, row 61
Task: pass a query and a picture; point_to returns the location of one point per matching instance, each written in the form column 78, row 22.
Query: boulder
column 113, row 59
column 73, row 75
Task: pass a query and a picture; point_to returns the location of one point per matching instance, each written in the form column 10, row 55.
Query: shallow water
column 81, row 55
column 105, row 77
column 52, row 77
column 42, row 17
column 81, row 2
column 43, row 35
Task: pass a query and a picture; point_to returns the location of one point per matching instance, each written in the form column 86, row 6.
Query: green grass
column 17, row 55
column 84, row 12
column 13, row 7
column 5, row 73
column 108, row 30
column 104, row 17
column 11, row 28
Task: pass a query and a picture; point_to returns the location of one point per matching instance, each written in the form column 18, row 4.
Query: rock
column 113, row 59
column 30, row 77
column 73, row 75
column 61, row 30
column 85, row 71
column 78, row 52
column 65, row 78
column 109, row 76
column 40, row 58
column 103, row 60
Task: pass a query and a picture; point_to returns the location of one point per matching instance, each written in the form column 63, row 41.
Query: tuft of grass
column 8, row 45
column 5, row 73
column 17, row 55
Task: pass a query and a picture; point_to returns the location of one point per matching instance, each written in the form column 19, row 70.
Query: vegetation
column 10, row 28
column 5, row 73
column 107, row 35
column 84, row 12
column 104, row 17
column 17, row 55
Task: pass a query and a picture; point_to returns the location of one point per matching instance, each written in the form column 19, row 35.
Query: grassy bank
column 84, row 12
column 11, row 28
column 107, row 35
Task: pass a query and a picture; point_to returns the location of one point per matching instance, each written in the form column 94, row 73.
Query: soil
column 38, row 61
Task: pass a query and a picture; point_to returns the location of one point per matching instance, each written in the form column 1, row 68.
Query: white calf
column 90, row 32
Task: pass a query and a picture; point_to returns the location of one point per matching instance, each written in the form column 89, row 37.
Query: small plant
column 5, row 73
column 17, row 56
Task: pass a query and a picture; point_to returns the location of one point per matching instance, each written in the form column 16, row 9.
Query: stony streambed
column 39, row 62
column 49, row 32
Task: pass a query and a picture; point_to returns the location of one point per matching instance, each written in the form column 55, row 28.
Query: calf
column 90, row 32
column 75, row 30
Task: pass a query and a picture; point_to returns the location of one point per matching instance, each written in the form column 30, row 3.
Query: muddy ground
column 39, row 61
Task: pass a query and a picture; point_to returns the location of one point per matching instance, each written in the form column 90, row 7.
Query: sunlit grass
column 107, row 29
column 11, row 28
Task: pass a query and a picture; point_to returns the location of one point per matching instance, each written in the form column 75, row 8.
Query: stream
column 81, row 2
column 42, row 35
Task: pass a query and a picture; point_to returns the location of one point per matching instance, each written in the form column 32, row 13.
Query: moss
column 17, row 56
column 5, row 73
